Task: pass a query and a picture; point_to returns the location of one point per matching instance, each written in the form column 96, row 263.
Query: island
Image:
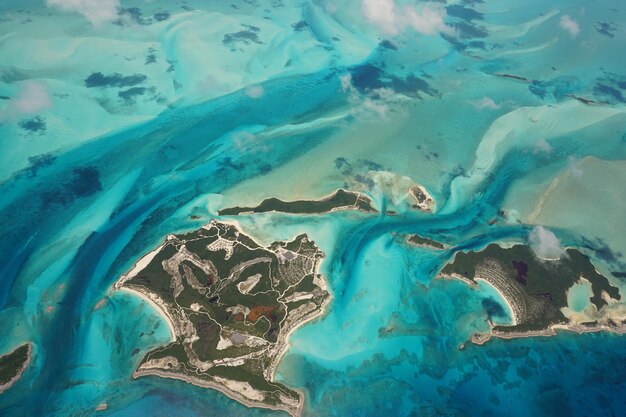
column 231, row 305
column 13, row 365
column 417, row 240
column 339, row 200
column 536, row 290
column 423, row 200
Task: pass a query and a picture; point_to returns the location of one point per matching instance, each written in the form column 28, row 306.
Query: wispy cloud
column 376, row 101
column 428, row 19
column 31, row 98
column 485, row 103
column 542, row 145
column 255, row 91
column 545, row 244
column 574, row 167
column 96, row 11
column 570, row 25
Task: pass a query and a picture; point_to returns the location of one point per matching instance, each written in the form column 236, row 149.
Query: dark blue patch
column 559, row 88
column 36, row 124
column 465, row 13
column 150, row 59
column 468, row 30
column 129, row 95
column 370, row 165
column 369, row 77
column 386, row 44
column 159, row 17
column 411, row 86
column 39, row 161
column 246, row 37
column 607, row 91
column 98, row 79
column 607, row 29
column 366, row 77
column 493, row 308
column 85, row 181
column 300, row 26
column 5, row 98
column 134, row 14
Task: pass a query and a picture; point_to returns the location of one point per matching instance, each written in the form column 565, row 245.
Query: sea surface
column 126, row 122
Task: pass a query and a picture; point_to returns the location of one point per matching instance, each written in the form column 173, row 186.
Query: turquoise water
column 194, row 111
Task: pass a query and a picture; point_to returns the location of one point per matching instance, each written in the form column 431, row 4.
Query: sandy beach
column 157, row 306
column 506, row 301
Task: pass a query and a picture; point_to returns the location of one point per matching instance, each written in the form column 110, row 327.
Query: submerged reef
column 231, row 305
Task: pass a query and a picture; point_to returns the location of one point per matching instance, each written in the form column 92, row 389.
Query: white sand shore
column 506, row 301
column 157, row 306
column 482, row 338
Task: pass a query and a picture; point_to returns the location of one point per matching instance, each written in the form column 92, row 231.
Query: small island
column 423, row 200
column 231, row 305
column 13, row 365
column 536, row 290
column 339, row 200
column 417, row 240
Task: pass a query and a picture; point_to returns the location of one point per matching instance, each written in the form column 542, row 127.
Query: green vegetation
column 12, row 364
column 231, row 302
column 422, row 241
column 340, row 199
column 536, row 288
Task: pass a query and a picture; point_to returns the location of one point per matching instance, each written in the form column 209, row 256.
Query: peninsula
column 536, row 290
column 339, row 200
column 13, row 365
column 231, row 305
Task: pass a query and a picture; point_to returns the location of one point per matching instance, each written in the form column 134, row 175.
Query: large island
column 536, row 290
column 231, row 305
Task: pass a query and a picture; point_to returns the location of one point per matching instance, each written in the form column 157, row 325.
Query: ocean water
column 116, row 127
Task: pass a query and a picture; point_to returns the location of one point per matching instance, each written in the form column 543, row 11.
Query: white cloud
column 255, row 91
column 485, row 103
column 574, row 167
column 545, row 244
column 570, row 25
column 375, row 101
column 542, row 145
column 31, row 98
column 391, row 19
column 96, row 11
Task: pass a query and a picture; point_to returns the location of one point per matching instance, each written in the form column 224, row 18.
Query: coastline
column 18, row 376
column 233, row 395
column 360, row 196
column 156, row 305
column 506, row 301
column 482, row 338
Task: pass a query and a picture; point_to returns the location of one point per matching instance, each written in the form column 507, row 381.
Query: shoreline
column 553, row 330
column 203, row 383
column 359, row 194
column 156, row 305
column 506, row 301
column 18, row 376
